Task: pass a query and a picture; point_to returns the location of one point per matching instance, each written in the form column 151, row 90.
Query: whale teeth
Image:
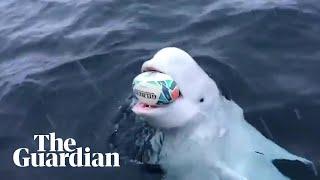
column 143, row 105
column 148, row 106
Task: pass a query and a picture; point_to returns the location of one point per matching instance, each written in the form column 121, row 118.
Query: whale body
column 205, row 136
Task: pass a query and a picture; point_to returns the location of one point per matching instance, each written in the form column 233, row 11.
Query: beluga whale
column 205, row 135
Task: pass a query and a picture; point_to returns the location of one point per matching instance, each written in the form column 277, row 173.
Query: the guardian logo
column 62, row 153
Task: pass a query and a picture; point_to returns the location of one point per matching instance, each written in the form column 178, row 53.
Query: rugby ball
column 155, row 88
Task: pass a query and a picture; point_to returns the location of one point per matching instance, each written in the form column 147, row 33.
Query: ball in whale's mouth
column 150, row 98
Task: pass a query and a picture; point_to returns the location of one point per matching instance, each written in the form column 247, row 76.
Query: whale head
column 199, row 93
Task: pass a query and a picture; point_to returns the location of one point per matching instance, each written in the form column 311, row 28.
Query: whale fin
column 295, row 169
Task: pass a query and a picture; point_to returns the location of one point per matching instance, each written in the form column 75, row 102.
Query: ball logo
column 144, row 94
column 56, row 152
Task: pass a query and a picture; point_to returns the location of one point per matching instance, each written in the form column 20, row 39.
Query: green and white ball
column 155, row 88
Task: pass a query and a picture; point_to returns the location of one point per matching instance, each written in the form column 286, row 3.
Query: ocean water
column 66, row 67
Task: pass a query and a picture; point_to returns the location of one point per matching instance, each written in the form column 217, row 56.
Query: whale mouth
column 151, row 68
column 143, row 108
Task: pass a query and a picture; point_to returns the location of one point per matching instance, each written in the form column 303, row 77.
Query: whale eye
column 201, row 100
